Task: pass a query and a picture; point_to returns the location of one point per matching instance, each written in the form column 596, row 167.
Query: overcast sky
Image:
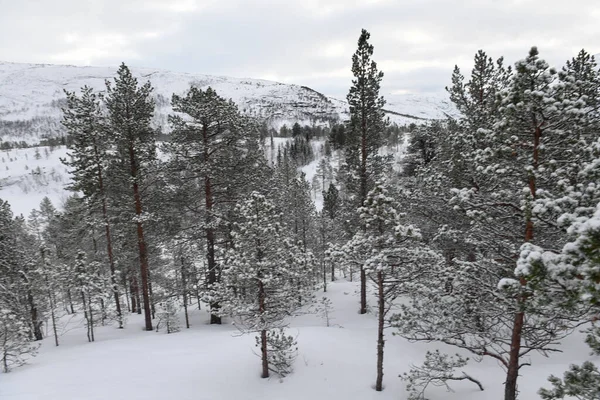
column 308, row 42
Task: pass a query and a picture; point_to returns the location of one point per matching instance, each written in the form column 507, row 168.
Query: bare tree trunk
column 152, row 308
column 332, row 271
column 512, row 373
column 197, row 287
column 126, row 294
column 184, row 292
column 36, row 324
column 363, row 291
column 263, row 333
column 54, row 330
column 70, row 301
column 102, row 312
column 324, row 276
column 380, row 326
column 91, row 318
column 134, row 293
column 86, row 316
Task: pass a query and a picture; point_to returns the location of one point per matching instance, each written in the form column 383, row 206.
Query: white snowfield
column 209, row 362
column 26, row 178
column 31, row 97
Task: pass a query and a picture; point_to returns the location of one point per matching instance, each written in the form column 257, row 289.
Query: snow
column 210, row 362
column 25, row 180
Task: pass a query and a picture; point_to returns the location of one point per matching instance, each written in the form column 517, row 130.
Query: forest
column 481, row 233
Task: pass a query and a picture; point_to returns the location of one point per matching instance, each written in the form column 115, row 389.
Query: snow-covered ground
column 208, row 362
column 26, row 178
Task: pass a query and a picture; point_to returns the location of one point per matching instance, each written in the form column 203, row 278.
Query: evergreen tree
column 391, row 255
column 89, row 156
column 365, row 132
column 20, row 322
column 215, row 150
column 264, row 276
column 167, row 316
column 130, row 110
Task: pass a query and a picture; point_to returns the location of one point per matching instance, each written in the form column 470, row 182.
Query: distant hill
column 31, row 97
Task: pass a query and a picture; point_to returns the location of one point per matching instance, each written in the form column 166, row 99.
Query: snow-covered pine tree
column 167, row 316
column 15, row 346
column 324, row 173
column 18, row 308
column 89, row 157
column 436, row 370
column 90, row 286
column 264, row 276
column 128, row 125
column 505, row 168
column 215, row 151
column 324, row 309
column 364, row 134
column 392, row 256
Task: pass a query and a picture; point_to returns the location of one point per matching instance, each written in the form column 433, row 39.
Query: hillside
column 31, row 97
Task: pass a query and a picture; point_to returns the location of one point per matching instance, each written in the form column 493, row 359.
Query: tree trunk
column 210, row 234
column 263, row 332
column 54, row 330
column 126, row 294
column 103, row 312
column 133, row 289
column 35, row 323
column 51, row 299
column 140, row 236
column 363, row 196
column 324, row 276
column 152, row 308
column 363, row 291
column 332, row 271
column 70, row 301
column 109, row 249
column 91, row 314
column 512, row 373
column 184, row 293
column 85, row 315
column 380, row 340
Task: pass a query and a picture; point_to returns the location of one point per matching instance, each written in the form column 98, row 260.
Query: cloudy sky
column 308, row 42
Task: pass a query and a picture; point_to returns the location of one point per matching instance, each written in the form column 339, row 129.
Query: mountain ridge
column 31, row 97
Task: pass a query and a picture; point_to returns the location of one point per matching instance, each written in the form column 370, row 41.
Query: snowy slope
column 31, row 96
column 25, row 180
column 209, row 362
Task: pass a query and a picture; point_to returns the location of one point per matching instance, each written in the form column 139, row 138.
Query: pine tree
column 215, row 150
column 508, row 158
column 390, row 254
column 89, row 156
column 130, row 110
column 263, row 278
column 365, row 131
column 167, row 316
column 19, row 318
column 15, row 346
